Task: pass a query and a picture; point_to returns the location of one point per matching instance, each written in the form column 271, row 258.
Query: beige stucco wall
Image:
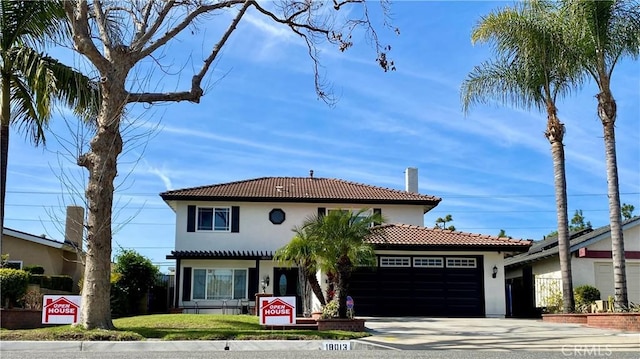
column 55, row 261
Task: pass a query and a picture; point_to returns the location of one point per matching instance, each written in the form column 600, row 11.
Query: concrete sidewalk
column 177, row 345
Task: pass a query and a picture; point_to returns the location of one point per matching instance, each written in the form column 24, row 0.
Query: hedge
column 34, row 269
column 14, row 285
column 55, row 282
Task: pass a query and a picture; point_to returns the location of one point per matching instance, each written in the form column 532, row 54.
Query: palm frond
column 23, row 113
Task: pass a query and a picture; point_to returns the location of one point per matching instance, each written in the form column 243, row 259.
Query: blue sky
column 260, row 117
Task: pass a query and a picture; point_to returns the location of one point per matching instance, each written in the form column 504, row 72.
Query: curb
column 177, row 346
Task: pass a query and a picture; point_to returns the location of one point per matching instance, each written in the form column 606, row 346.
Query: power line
column 434, row 194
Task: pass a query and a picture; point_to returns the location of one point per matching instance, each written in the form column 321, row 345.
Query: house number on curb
column 336, row 345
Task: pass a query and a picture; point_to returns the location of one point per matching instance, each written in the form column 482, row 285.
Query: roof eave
column 456, row 248
column 426, row 203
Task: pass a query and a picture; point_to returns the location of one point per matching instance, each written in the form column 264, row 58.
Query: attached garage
column 448, row 286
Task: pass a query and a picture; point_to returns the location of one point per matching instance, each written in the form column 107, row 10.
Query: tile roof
column 221, row 254
column 300, row 189
column 549, row 246
column 404, row 235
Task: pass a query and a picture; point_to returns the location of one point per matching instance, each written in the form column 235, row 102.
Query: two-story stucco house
column 226, row 235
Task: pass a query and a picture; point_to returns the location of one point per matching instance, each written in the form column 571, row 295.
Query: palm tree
column 602, row 32
column 29, row 80
column 340, row 241
column 301, row 252
column 531, row 69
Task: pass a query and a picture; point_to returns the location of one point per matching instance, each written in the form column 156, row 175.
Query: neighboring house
column 226, row 235
column 57, row 258
column 535, row 275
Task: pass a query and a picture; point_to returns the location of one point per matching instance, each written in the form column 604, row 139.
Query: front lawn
column 178, row 327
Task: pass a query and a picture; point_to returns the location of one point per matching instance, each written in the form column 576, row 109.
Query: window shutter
column 191, row 218
column 186, row 284
column 378, row 212
column 235, row 219
column 321, row 211
column 253, row 283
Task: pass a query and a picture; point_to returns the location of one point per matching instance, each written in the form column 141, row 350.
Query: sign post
column 350, row 306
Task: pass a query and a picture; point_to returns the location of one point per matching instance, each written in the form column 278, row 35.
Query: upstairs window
column 214, row 219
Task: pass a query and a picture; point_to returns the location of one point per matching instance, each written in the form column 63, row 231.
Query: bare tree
column 114, row 36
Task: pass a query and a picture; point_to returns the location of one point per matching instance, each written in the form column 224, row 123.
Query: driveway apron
column 419, row 333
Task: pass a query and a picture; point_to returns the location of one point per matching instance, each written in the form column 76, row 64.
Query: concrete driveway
column 497, row 334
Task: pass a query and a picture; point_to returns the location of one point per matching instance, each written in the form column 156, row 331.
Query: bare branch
column 77, row 14
column 196, row 90
column 141, row 37
column 188, row 19
column 102, row 26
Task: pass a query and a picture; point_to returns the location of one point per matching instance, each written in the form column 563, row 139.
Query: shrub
column 34, row 269
column 585, row 295
column 62, row 282
column 14, row 284
column 330, row 310
column 55, row 282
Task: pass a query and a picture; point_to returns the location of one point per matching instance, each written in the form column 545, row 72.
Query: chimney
column 411, row 180
column 74, row 226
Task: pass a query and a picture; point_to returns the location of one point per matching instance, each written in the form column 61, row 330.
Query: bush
column 62, row 282
column 585, row 295
column 55, row 282
column 34, row 269
column 330, row 310
column 14, row 284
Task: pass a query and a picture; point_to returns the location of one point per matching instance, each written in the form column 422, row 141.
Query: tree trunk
column 607, row 113
column 344, row 274
column 5, row 116
column 555, row 135
column 315, row 286
column 101, row 163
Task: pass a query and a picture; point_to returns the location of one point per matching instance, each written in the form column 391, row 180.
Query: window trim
column 213, row 225
column 467, row 260
column 405, row 262
column 19, row 262
column 428, row 265
column 206, row 269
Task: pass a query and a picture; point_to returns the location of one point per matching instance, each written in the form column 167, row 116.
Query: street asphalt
column 485, row 334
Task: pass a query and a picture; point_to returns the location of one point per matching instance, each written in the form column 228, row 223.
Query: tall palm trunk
column 555, row 135
column 607, row 113
column 100, row 161
column 5, row 116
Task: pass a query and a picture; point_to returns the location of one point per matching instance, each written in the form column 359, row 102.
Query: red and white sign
column 61, row 309
column 277, row 310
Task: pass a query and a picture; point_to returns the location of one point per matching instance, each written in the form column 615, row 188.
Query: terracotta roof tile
column 411, row 235
column 299, row 189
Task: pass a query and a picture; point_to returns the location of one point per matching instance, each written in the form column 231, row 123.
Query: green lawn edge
column 178, row 327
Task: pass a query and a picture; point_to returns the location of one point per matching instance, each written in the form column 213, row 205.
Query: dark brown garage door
column 420, row 286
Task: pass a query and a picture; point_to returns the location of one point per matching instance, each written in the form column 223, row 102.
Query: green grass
column 178, row 327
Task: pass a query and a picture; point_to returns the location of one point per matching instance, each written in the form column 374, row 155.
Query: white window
column 214, row 284
column 214, row 219
column 361, row 216
column 461, row 262
column 395, row 262
column 428, row 262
